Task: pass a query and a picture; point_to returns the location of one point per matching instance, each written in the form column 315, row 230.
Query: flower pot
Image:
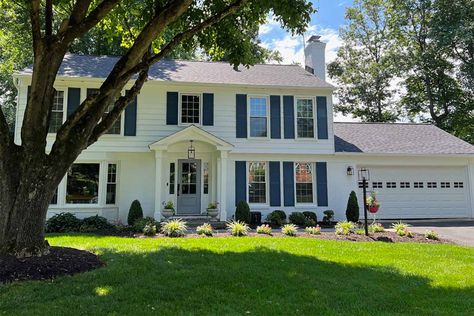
column 373, row 209
column 213, row 213
column 167, row 212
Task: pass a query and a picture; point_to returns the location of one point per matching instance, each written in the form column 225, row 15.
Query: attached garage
column 420, row 192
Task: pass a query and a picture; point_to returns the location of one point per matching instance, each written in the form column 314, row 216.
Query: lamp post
column 364, row 176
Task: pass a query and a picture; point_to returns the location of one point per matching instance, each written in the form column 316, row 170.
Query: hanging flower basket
column 372, row 204
column 373, row 208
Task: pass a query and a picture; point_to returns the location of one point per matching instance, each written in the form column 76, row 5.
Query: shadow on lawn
column 177, row 281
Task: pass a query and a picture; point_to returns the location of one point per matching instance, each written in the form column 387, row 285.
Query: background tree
column 28, row 174
column 364, row 67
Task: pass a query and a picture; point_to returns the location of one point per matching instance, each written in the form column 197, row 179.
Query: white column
column 158, row 183
column 223, row 185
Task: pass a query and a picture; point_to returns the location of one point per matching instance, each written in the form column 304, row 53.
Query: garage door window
column 405, row 185
column 432, row 185
column 391, row 185
column 445, row 185
column 361, row 185
column 377, row 185
column 458, row 185
column 418, row 185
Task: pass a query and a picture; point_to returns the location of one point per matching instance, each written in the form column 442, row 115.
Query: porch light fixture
column 191, row 151
column 350, row 171
column 364, row 177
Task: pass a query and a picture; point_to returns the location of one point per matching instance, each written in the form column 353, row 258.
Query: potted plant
column 373, row 204
column 168, row 210
column 213, row 210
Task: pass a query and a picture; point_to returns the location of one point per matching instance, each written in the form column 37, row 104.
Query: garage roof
column 397, row 138
column 74, row 65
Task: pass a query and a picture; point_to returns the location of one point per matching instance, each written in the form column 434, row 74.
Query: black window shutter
column 241, row 115
column 322, row 112
column 208, row 109
column 289, row 116
column 275, row 195
column 275, row 116
column 240, row 181
column 288, row 183
column 172, row 108
column 131, row 118
column 73, row 100
column 322, row 183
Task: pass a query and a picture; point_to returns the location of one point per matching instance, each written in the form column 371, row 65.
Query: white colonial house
column 201, row 132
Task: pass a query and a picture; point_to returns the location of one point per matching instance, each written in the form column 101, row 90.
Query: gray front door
column 189, row 187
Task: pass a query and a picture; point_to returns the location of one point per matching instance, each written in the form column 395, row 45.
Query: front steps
column 193, row 221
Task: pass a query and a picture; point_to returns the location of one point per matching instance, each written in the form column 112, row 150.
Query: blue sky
column 325, row 22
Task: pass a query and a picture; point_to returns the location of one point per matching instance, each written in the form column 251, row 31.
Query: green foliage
column 311, row 215
column 169, row 205
column 352, row 210
column 149, row 230
column 212, row 205
column 313, row 230
column 62, row 223
column 238, row 228
column 174, row 228
column 400, row 228
column 264, row 229
column 360, row 231
column 300, row 219
column 289, row 230
column 140, row 224
column 242, row 212
column 431, row 234
column 276, row 218
column 95, row 224
column 205, row 229
column 376, row 228
column 328, row 216
column 135, row 212
column 344, row 228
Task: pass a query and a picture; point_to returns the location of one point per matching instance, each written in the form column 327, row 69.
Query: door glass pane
column 189, row 177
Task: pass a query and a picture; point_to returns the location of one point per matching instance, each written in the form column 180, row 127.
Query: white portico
column 191, row 183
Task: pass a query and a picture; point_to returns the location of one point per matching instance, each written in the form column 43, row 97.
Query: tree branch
column 48, row 19
column 35, row 24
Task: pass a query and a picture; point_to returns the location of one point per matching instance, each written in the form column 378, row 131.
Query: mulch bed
column 60, row 261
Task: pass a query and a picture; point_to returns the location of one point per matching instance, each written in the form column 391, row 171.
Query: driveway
column 460, row 232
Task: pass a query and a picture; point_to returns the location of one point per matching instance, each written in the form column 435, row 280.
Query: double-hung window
column 258, row 117
column 190, row 109
column 57, row 112
column 116, row 128
column 83, row 184
column 111, row 184
column 305, row 117
column 304, row 182
column 257, row 182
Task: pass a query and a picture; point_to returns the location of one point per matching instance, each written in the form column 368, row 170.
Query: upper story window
column 305, row 117
column 257, row 182
column 304, row 182
column 57, row 112
column 116, row 128
column 258, row 117
column 190, row 109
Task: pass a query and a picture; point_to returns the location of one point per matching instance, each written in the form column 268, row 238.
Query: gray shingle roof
column 397, row 138
column 196, row 72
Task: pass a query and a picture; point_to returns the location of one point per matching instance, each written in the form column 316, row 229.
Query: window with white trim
column 257, row 182
column 111, row 184
column 83, row 183
column 190, row 108
column 304, row 182
column 305, row 117
column 54, row 199
column 258, row 117
column 116, row 128
column 57, row 112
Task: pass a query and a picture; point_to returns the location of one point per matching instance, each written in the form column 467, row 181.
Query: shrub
column 289, row 230
column 135, row 212
column 376, row 228
column 313, row 230
column 205, row 229
column 431, row 234
column 63, row 222
column 276, row 218
column 95, row 224
column 400, row 228
column 352, row 210
column 169, row 205
column 242, row 212
column 301, row 220
column 264, row 229
column 328, row 216
column 174, row 228
column 344, row 228
column 312, row 216
column 149, row 230
column 142, row 222
column 237, row 228
column 360, row 231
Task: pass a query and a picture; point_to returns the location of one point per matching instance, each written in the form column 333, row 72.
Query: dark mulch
column 60, row 261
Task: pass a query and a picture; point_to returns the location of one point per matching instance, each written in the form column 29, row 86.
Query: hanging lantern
column 191, row 151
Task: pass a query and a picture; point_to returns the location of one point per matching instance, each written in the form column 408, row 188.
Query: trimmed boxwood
column 242, row 212
column 312, row 216
column 276, row 218
column 62, row 223
column 95, row 224
column 135, row 212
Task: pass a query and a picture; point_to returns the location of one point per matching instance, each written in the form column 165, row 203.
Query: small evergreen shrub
column 95, row 224
column 289, row 230
column 242, row 212
column 140, row 224
column 276, row 218
column 313, row 230
column 63, row 222
column 431, row 234
column 312, row 216
column 205, row 229
column 352, row 210
column 344, row 228
column 301, row 220
column 328, row 216
column 376, row 228
column 135, row 212
column 400, row 228
column 174, row 228
column 149, row 230
column 264, row 229
column 237, row 228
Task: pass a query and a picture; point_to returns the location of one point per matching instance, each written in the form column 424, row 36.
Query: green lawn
column 256, row 276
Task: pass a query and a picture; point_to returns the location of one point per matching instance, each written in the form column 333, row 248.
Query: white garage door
column 420, row 192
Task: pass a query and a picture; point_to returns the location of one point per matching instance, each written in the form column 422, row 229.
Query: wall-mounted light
column 350, row 171
column 191, row 151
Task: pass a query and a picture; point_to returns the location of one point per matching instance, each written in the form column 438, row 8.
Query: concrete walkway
column 460, row 232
